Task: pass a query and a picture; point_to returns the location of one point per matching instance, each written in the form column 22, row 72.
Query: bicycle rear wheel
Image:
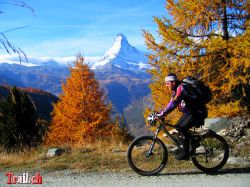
column 212, row 154
column 144, row 162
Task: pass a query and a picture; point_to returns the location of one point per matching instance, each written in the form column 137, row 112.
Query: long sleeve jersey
column 180, row 99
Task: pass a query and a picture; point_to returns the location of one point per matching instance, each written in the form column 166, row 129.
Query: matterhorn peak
column 120, row 43
column 122, row 55
column 120, row 38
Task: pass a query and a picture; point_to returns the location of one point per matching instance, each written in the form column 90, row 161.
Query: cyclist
column 194, row 113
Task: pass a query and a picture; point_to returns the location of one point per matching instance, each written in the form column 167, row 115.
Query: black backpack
column 203, row 92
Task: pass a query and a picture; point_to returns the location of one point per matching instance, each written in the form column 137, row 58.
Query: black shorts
column 188, row 121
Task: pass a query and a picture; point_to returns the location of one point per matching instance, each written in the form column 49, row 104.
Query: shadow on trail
column 232, row 170
column 220, row 172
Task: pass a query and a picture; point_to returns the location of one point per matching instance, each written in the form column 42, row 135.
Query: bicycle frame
column 161, row 127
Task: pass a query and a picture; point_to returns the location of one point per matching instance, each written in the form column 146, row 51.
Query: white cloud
column 36, row 61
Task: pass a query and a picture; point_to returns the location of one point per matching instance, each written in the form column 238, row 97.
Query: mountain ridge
column 120, row 54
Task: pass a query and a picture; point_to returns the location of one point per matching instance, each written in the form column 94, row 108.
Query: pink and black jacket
column 185, row 101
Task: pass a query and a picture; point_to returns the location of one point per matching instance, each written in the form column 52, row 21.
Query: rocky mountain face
column 122, row 55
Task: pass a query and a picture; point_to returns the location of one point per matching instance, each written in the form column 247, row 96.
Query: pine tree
column 18, row 121
column 81, row 115
column 209, row 40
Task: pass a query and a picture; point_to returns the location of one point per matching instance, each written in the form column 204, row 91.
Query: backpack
column 203, row 92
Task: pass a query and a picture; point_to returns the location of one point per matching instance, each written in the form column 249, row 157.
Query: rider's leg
column 184, row 123
column 184, row 154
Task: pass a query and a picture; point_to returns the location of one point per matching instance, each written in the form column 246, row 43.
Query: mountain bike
column 148, row 155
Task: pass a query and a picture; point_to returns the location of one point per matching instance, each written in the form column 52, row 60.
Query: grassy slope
column 100, row 157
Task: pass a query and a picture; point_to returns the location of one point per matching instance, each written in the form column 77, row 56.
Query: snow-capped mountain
column 121, row 54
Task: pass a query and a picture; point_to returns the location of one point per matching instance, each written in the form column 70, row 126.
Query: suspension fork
column 154, row 139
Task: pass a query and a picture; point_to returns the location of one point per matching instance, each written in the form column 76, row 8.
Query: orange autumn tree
column 209, row 40
column 81, row 115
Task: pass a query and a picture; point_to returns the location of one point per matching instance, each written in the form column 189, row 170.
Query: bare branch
column 23, row 5
column 11, row 48
column 4, row 41
column 17, row 28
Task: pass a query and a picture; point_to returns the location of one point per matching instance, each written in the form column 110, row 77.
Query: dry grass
column 98, row 157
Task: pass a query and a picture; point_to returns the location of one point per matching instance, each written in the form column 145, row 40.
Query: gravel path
column 75, row 178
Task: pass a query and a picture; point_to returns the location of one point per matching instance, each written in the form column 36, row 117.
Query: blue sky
column 66, row 27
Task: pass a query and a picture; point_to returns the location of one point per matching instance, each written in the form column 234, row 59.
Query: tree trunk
column 225, row 21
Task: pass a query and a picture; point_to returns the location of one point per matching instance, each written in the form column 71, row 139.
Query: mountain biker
column 194, row 113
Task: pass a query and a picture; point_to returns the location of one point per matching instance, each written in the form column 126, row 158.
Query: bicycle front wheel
column 212, row 154
column 147, row 156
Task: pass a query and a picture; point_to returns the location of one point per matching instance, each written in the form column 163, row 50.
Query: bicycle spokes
column 212, row 153
column 148, row 158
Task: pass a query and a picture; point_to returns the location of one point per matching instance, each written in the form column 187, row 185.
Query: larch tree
column 209, row 40
column 81, row 115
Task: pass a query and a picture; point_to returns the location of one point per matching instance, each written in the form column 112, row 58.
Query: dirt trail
column 67, row 178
